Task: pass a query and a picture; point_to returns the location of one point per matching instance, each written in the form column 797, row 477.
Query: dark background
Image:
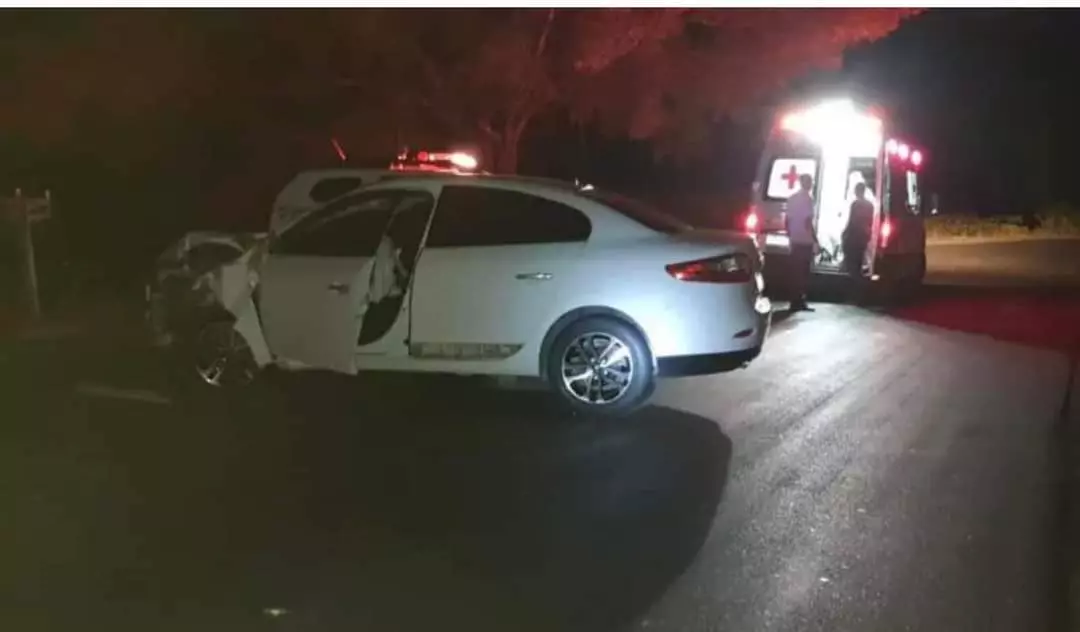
column 988, row 93
column 991, row 94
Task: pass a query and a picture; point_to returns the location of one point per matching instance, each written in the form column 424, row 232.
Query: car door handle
column 339, row 287
column 534, row 276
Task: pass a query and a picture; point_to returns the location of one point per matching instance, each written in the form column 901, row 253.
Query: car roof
column 523, row 183
column 612, row 224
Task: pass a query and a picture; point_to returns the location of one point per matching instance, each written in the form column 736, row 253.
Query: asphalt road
column 1045, row 263
column 872, row 470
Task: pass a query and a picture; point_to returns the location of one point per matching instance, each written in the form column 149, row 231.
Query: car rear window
column 640, row 212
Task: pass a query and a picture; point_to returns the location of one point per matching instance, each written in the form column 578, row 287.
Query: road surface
column 1017, row 263
column 869, row 472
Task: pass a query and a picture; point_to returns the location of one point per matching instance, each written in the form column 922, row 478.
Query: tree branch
column 541, row 44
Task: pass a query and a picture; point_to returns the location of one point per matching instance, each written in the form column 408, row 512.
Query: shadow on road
column 382, row 503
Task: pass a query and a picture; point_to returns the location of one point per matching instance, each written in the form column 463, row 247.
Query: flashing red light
column 886, row 232
column 891, row 146
column 916, row 157
column 726, row 269
column 422, row 156
column 903, row 151
column 751, row 222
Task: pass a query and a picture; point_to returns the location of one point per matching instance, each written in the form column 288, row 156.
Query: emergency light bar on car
column 454, row 161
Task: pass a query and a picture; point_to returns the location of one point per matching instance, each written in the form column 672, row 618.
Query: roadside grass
column 1055, row 222
column 118, row 317
column 726, row 211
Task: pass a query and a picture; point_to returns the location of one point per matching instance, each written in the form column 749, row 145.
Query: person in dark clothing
column 856, row 235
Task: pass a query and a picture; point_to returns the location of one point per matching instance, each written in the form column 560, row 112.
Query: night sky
column 992, row 94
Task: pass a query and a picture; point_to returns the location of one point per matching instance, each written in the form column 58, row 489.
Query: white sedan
column 596, row 294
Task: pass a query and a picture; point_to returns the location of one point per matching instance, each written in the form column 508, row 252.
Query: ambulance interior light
column 835, row 123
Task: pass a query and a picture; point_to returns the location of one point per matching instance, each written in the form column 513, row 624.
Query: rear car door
column 313, row 285
column 489, row 282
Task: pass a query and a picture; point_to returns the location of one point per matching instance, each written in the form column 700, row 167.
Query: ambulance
column 841, row 144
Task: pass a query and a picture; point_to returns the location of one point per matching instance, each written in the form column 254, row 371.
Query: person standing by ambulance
column 799, row 218
column 857, row 232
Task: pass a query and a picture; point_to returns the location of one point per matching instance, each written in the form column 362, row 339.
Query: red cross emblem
column 791, row 177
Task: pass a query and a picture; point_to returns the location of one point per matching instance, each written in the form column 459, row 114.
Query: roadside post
column 27, row 211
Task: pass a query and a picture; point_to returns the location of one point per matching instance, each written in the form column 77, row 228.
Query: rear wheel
column 601, row 366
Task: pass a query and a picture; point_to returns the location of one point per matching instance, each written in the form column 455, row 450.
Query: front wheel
column 601, row 366
column 214, row 357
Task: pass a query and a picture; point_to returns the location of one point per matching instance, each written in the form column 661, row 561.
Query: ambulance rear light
column 886, row 232
column 752, row 222
column 735, row 268
column 905, row 153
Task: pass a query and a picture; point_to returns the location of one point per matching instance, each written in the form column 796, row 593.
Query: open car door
column 313, row 286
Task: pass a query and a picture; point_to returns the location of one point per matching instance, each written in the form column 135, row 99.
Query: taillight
column 886, row 232
column 735, row 268
column 751, row 222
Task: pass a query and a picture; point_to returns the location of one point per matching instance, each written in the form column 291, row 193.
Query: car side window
column 351, row 227
column 329, row 189
column 479, row 216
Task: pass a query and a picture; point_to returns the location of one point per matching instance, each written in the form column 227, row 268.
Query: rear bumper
column 751, row 341
column 705, row 364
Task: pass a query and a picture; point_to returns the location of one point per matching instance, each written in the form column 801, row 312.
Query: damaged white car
column 594, row 293
column 186, row 274
column 181, row 291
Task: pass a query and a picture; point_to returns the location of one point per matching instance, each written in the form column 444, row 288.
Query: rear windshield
column 640, row 212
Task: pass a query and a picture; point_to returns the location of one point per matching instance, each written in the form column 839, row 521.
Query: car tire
column 622, row 386
column 198, row 375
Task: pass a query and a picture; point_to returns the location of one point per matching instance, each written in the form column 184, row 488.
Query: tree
column 658, row 74
column 113, row 69
column 477, row 75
